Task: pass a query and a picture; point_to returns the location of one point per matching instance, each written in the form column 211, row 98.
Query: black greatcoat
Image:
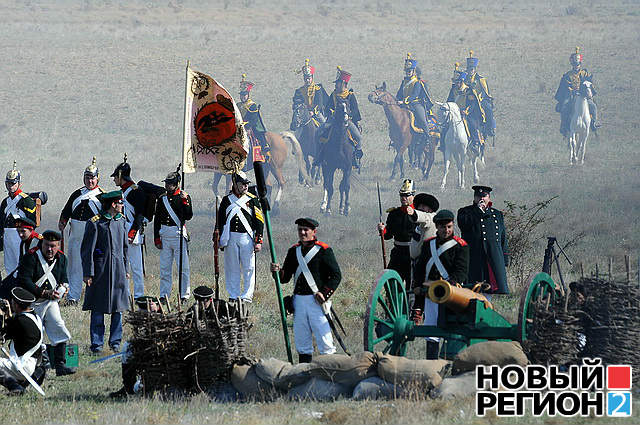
column 104, row 257
column 487, row 238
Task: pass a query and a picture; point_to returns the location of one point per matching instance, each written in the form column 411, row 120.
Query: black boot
column 12, row 385
column 39, row 374
column 305, row 358
column 432, row 350
column 59, row 360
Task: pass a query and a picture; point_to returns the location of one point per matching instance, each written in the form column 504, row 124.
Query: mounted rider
column 342, row 95
column 311, row 95
column 570, row 84
column 253, row 121
column 478, row 85
column 413, row 94
column 470, row 108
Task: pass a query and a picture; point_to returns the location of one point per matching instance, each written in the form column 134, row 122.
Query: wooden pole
column 597, row 274
column 581, row 270
column 181, row 230
column 627, row 267
column 610, row 269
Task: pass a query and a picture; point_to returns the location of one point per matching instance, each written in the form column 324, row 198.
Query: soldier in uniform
column 24, row 329
column 173, row 209
column 471, row 110
column 134, row 205
column 29, row 239
column 240, row 223
column 482, row 226
column 569, row 85
column 400, row 227
column 480, row 89
column 414, row 94
column 316, row 276
column 444, row 256
column 17, row 204
column 43, row 272
column 251, row 115
column 104, row 257
column 81, row 206
column 311, row 96
column 342, row 94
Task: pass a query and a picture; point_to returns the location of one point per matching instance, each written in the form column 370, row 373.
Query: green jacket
column 30, row 270
column 455, row 260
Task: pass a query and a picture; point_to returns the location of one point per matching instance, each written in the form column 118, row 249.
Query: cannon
column 465, row 317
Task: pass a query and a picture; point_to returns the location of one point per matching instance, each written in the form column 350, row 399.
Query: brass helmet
column 13, row 176
column 307, row 70
column 123, row 170
column 92, row 169
column 576, row 57
column 407, row 188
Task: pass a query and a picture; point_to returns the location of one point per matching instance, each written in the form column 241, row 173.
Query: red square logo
column 618, row 377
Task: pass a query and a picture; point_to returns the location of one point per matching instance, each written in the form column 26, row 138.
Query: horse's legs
column 572, row 147
column 447, row 161
column 430, row 157
column 277, row 173
column 460, row 163
column 327, row 173
column 395, row 166
column 345, row 185
column 583, row 143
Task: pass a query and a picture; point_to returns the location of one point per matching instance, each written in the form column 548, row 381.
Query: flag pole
column 184, row 137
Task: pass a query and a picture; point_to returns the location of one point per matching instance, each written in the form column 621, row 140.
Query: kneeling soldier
column 43, row 272
column 444, row 256
column 24, row 329
column 316, row 275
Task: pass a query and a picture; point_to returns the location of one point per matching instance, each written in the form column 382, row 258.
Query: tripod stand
column 551, row 256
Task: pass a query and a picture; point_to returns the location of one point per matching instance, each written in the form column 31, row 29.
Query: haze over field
column 102, row 78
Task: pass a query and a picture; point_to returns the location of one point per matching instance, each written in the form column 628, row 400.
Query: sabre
column 216, row 246
column 335, row 316
column 384, row 253
column 100, row 360
column 327, row 314
column 19, row 368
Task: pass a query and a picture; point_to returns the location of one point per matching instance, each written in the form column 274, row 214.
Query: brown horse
column 400, row 133
column 275, row 165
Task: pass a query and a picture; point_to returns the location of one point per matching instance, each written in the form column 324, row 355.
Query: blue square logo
column 619, row 403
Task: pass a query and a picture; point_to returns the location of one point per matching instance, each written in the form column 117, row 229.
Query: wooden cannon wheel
column 541, row 289
column 387, row 320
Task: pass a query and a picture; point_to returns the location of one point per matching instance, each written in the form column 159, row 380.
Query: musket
column 384, row 253
column 335, row 316
column 143, row 252
column 327, row 314
column 216, row 246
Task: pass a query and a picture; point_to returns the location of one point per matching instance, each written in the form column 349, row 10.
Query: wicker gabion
column 187, row 350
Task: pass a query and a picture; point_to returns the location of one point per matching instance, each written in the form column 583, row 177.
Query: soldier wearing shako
column 17, row 204
column 134, row 205
column 480, row 89
column 316, row 276
column 81, row 206
column 400, row 228
column 43, row 272
column 444, row 256
column 251, row 115
column 240, row 224
column 173, row 209
column 414, row 94
column 471, row 109
column 569, row 85
column 311, row 96
column 342, row 94
column 483, row 228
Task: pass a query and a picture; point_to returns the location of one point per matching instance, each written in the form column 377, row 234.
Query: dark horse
column 337, row 154
column 306, row 130
column 401, row 135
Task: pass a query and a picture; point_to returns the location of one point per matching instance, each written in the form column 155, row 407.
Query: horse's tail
column 297, row 152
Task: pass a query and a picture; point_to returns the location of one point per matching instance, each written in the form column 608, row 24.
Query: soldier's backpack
column 152, row 192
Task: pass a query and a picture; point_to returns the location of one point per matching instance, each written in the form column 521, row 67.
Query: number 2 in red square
column 618, row 377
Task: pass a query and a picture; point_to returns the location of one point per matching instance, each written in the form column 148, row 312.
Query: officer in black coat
column 482, row 226
column 311, row 96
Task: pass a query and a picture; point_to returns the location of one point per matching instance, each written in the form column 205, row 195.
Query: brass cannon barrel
column 455, row 297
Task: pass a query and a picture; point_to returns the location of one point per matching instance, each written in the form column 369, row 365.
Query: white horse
column 455, row 142
column 580, row 123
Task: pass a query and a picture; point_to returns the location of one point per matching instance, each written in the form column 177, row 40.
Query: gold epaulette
column 259, row 214
column 251, row 195
column 24, row 195
column 95, row 218
column 391, row 209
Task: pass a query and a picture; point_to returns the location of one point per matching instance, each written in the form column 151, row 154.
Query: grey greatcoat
column 104, row 258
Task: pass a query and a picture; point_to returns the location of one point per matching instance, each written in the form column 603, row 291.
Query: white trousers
column 240, row 262
column 135, row 269
column 74, row 267
column 28, row 365
column 309, row 320
column 431, row 316
column 171, row 252
column 49, row 312
column 11, row 249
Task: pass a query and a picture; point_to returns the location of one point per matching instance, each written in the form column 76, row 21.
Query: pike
column 109, row 357
column 216, row 246
column 384, row 254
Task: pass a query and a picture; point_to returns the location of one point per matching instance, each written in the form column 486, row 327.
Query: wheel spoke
column 386, row 309
column 386, row 349
column 392, row 297
column 383, row 338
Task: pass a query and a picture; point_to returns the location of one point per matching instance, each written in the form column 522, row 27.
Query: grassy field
column 106, row 77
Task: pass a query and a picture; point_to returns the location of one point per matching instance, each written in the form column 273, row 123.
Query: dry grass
column 105, row 77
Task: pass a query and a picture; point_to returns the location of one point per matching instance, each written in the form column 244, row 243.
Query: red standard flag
column 214, row 137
